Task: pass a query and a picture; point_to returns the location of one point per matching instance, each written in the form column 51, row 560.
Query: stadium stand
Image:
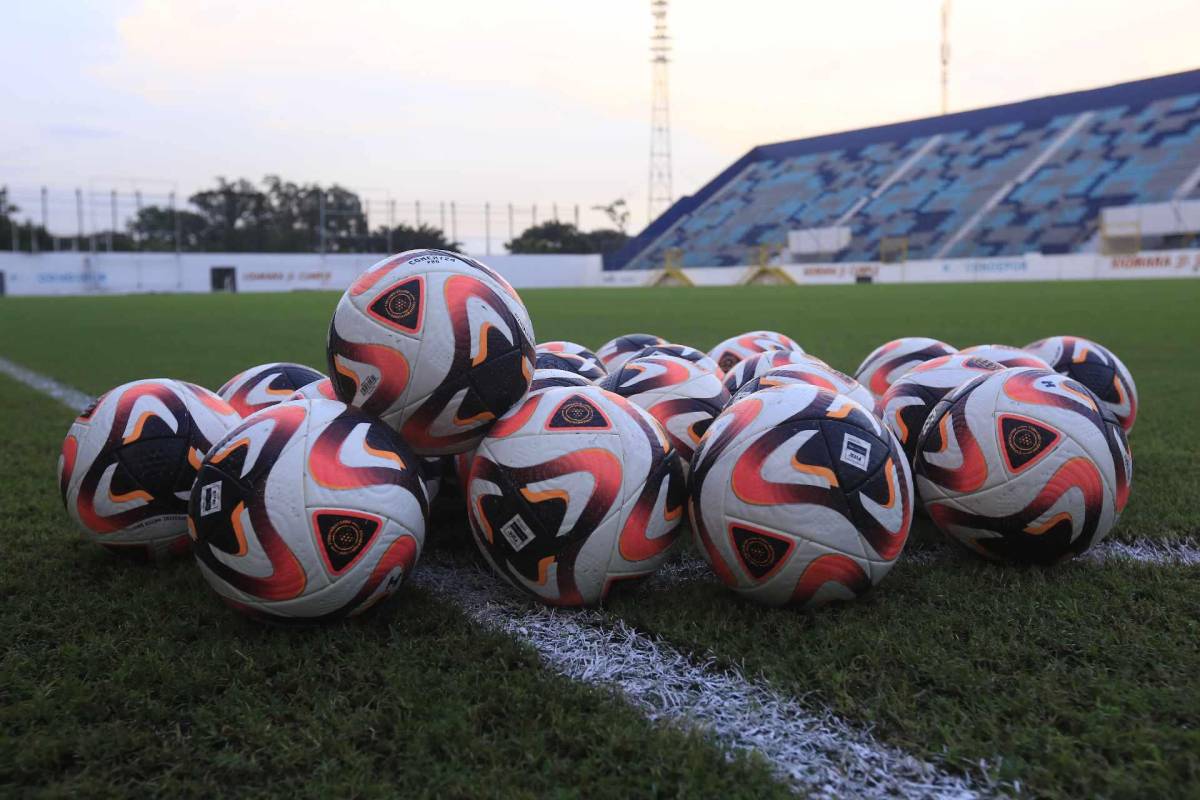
column 1017, row 178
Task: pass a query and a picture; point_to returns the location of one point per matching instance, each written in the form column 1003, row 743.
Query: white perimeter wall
column 128, row 273
column 125, row 273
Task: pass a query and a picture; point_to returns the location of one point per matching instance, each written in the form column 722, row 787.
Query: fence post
column 321, row 217
column 453, row 222
column 46, row 213
column 554, row 209
column 391, row 223
column 577, row 215
column 112, row 228
column 417, row 208
column 176, row 227
column 487, row 228
column 78, row 245
column 442, row 215
column 533, row 213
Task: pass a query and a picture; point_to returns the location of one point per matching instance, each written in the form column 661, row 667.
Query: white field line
column 72, row 398
column 690, row 567
column 813, row 751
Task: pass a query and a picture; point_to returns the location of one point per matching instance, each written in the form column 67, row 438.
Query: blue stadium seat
column 1023, row 177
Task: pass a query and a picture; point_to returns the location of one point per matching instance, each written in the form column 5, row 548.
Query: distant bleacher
column 1017, row 178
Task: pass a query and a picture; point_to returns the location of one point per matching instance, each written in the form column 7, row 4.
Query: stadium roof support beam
column 1189, row 183
column 1007, row 187
column 896, row 174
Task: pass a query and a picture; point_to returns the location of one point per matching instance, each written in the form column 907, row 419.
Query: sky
column 522, row 101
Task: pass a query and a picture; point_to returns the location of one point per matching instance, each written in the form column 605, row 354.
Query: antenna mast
column 659, row 196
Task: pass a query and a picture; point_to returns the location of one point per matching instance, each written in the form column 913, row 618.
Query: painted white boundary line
column 814, row 752
column 691, row 567
column 72, row 398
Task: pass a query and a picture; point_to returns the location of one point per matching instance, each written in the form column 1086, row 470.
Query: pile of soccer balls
column 306, row 497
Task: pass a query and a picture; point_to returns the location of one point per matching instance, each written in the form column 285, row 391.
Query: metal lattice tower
column 945, row 54
column 659, row 195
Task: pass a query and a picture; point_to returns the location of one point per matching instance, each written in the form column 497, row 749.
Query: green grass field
column 1083, row 680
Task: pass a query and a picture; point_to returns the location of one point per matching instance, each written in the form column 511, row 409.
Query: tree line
column 279, row 216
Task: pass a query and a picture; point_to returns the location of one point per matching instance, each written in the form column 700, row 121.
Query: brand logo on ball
column 578, row 413
column 1024, row 439
column 856, row 452
column 400, row 303
column 727, row 361
column 517, row 533
column 400, row 306
column 757, row 552
column 760, row 552
column 345, row 537
column 210, row 498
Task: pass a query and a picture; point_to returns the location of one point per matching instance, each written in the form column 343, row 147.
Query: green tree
column 408, row 237
column 564, row 238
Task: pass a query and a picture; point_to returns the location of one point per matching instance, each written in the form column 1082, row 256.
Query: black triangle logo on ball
column 1025, row 441
column 761, row 553
column 401, row 305
column 579, row 414
column 344, row 536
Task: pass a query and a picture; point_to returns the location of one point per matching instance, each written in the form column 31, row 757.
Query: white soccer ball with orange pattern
column 128, row 463
column 308, row 511
column 1023, row 465
column 573, row 491
column 736, row 348
column 1097, row 368
column 800, row 497
column 888, row 362
column 435, row 344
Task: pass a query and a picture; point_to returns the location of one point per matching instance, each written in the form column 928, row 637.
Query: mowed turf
column 1079, row 680
column 121, row 679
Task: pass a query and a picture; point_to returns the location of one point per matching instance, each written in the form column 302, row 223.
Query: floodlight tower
column 945, row 56
column 658, row 195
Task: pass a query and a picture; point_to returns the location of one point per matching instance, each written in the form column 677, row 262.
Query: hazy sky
column 513, row 101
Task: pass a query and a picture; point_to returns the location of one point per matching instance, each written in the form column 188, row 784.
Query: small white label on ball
column 517, row 533
column 210, row 499
column 855, row 451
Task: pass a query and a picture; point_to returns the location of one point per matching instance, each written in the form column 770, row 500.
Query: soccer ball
column 572, row 491
column 308, row 511
column 750, row 368
column 800, row 497
column 549, row 378
column 683, row 396
column 813, row 371
column 432, row 468
column 433, row 343
column 1023, row 465
column 697, row 357
column 615, row 352
column 907, row 403
column 1006, row 355
column 736, row 348
column 591, row 362
column 265, row 385
column 317, row 390
column 587, row 368
column 1097, row 368
column 128, row 463
column 890, row 360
